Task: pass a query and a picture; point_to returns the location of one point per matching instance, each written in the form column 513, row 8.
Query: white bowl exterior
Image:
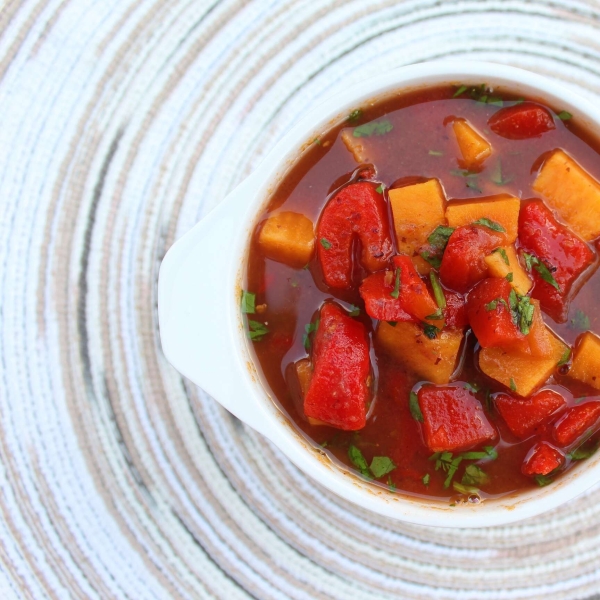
column 203, row 335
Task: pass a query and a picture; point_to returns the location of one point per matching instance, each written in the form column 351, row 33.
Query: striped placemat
column 122, row 123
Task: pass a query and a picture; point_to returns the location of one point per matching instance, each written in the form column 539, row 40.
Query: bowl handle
column 197, row 310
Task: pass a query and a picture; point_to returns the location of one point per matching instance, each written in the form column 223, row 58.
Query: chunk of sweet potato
column 433, row 360
column 288, row 237
column 417, row 210
column 572, row 192
column 586, row 360
column 497, row 267
column 474, row 148
column 502, row 209
column 355, row 146
column 539, row 337
column 522, row 373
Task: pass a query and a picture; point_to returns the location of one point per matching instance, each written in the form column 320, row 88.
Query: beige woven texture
column 122, row 123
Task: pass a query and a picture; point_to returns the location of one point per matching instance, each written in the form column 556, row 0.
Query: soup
column 420, row 293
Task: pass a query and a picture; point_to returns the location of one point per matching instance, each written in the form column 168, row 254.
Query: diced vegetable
column 501, row 210
column 542, row 459
column 355, row 146
column 474, row 148
column 456, row 310
column 580, row 420
column 554, row 256
column 503, row 261
column 376, row 291
column 490, row 316
column 432, row 359
column 338, row 390
column 464, row 263
column 539, row 338
column 525, row 372
column 288, row 237
column 417, row 210
column 358, row 210
column 303, row 370
column 586, row 360
column 572, row 192
column 521, row 121
column 529, row 416
column 453, row 419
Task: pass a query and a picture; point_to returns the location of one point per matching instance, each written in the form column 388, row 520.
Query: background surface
column 122, row 123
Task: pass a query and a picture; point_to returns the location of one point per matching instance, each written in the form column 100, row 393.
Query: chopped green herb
column 474, row 475
column 488, row 400
column 433, row 259
column 472, row 387
column 438, row 292
column 463, row 173
column 392, row 323
column 564, row 359
column 355, row 115
column 563, row 115
column 257, row 330
column 358, row 460
column 426, row 479
column 396, row 292
column 513, row 385
column 467, row 490
column 583, row 452
column 379, row 189
column 435, row 153
column 497, row 177
column 452, row 470
column 483, row 99
column 248, row 302
column 317, row 141
column 430, row 331
column 324, row 444
column 519, row 101
column 543, row 480
column 495, row 101
column 473, row 185
column 524, row 314
column 438, row 315
column 440, row 236
column 415, row 409
column 435, row 456
column 373, row 128
column 512, row 300
column 325, row 243
column 580, row 321
column 306, row 266
column 354, row 311
column 459, row 91
column 308, row 329
column 490, row 225
column 530, row 260
column 546, row 275
column 382, row 465
column 491, row 452
column 491, row 305
column 509, row 277
column 502, row 253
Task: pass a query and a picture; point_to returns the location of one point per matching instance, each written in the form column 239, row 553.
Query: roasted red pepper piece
column 338, row 391
column 576, row 422
column 488, row 309
column 453, row 419
column 412, row 299
column 358, row 210
column 529, row 416
column 463, row 264
column 542, row 459
column 456, row 310
column 562, row 252
column 522, row 121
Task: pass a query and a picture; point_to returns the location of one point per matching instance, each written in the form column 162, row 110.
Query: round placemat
column 123, row 123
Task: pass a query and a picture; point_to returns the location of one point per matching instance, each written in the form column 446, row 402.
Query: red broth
column 421, row 145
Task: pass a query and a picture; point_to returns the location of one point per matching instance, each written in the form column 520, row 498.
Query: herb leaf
column 381, row 465
column 415, row 409
column 474, row 475
column 308, row 329
column 436, row 316
column 354, row 311
column 524, row 314
column 452, row 470
column 440, row 236
column 433, row 259
column 438, row 291
column 435, row 153
column 513, row 385
column 373, row 128
column 490, row 225
column 502, row 253
column 358, row 460
column 257, row 330
column 580, row 321
column 465, row 489
column 379, row 189
column 325, row 243
column 543, row 480
column 564, row 359
column 546, row 275
column 509, row 277
column 248, row 302
column 430, row 331
column 583, row 452
column 459, row 91
column 426, row 479
column 394, row 294
column 563, row 115
column 472, row 387
column 355, row 115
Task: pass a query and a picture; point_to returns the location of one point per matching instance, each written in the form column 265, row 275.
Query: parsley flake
column 543, row 480
column 502, row 253
column 438, row 315
column 461, row 90
column 248, row 302
column 472, row 387
column 564, row 359
column 392, row 323
column 583, row 452
column 563, row 115
column 435, row 153
column 440, row 236
column 433, row 259
column 438, row 292
column 430, row 331
column 373, row 128
column 355, row 115
column 580, row 321
column 325, row 243
column 426, row 479
column 474, row 475
column 415, row 409
column 490, row 225
column 381, row 465
column 467, row 490
column 354, row 311
column 509, row 277
column 379, row 189
column 394, row 294
column 317, row 141
column 308, row 329
column 257, row 330
column 358, row 460
column 513, row 385
column 546, row 275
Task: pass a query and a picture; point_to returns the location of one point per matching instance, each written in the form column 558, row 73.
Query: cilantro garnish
column 391, row 484
column 524, row 314
column 358, row 460
column 474, row 475
column 541, row 268
column 467, row 490
column 444, row 461
column 325, row 243
column 317, row 141
column 426, row 479
column 472, row 387
column 497, row 177
column 379, row 189
column 473, row 185
column 392, row 323
column 436, row 316
column 490, row 225
column 396, row 292
column 463, row 173
column 494, row 304
column 583, row 452
column 495, row 101
column 543, row 480
column 563, row 115
column 381, row 465
column 415, row 409
column 430, row 331
column 433, row 259
column 355, row 115
column 513, row 385
column 564, row 359
column 373, row 128
column 509, row 277
column 438, row 292
column 488, row 452
column 308, row 329
column 354, row 311
column 248, row 302
column 580, row 321
column 435, row 153
column 488, row 400
column 459, row 91
column 502, row 253
column 440, row 236
column 257, row 330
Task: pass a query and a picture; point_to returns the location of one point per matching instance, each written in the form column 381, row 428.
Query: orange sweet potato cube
column 433, row 360
column 355, row 146
column 498, row 267
column 473, row 147
column 572, row 192
column 586, row 360
column 502, row 209
column 417, row 209
column 287, row 237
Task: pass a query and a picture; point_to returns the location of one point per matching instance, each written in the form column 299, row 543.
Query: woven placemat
column 123, row 122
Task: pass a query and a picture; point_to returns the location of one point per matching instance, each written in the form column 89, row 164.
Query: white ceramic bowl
column 199, row 303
